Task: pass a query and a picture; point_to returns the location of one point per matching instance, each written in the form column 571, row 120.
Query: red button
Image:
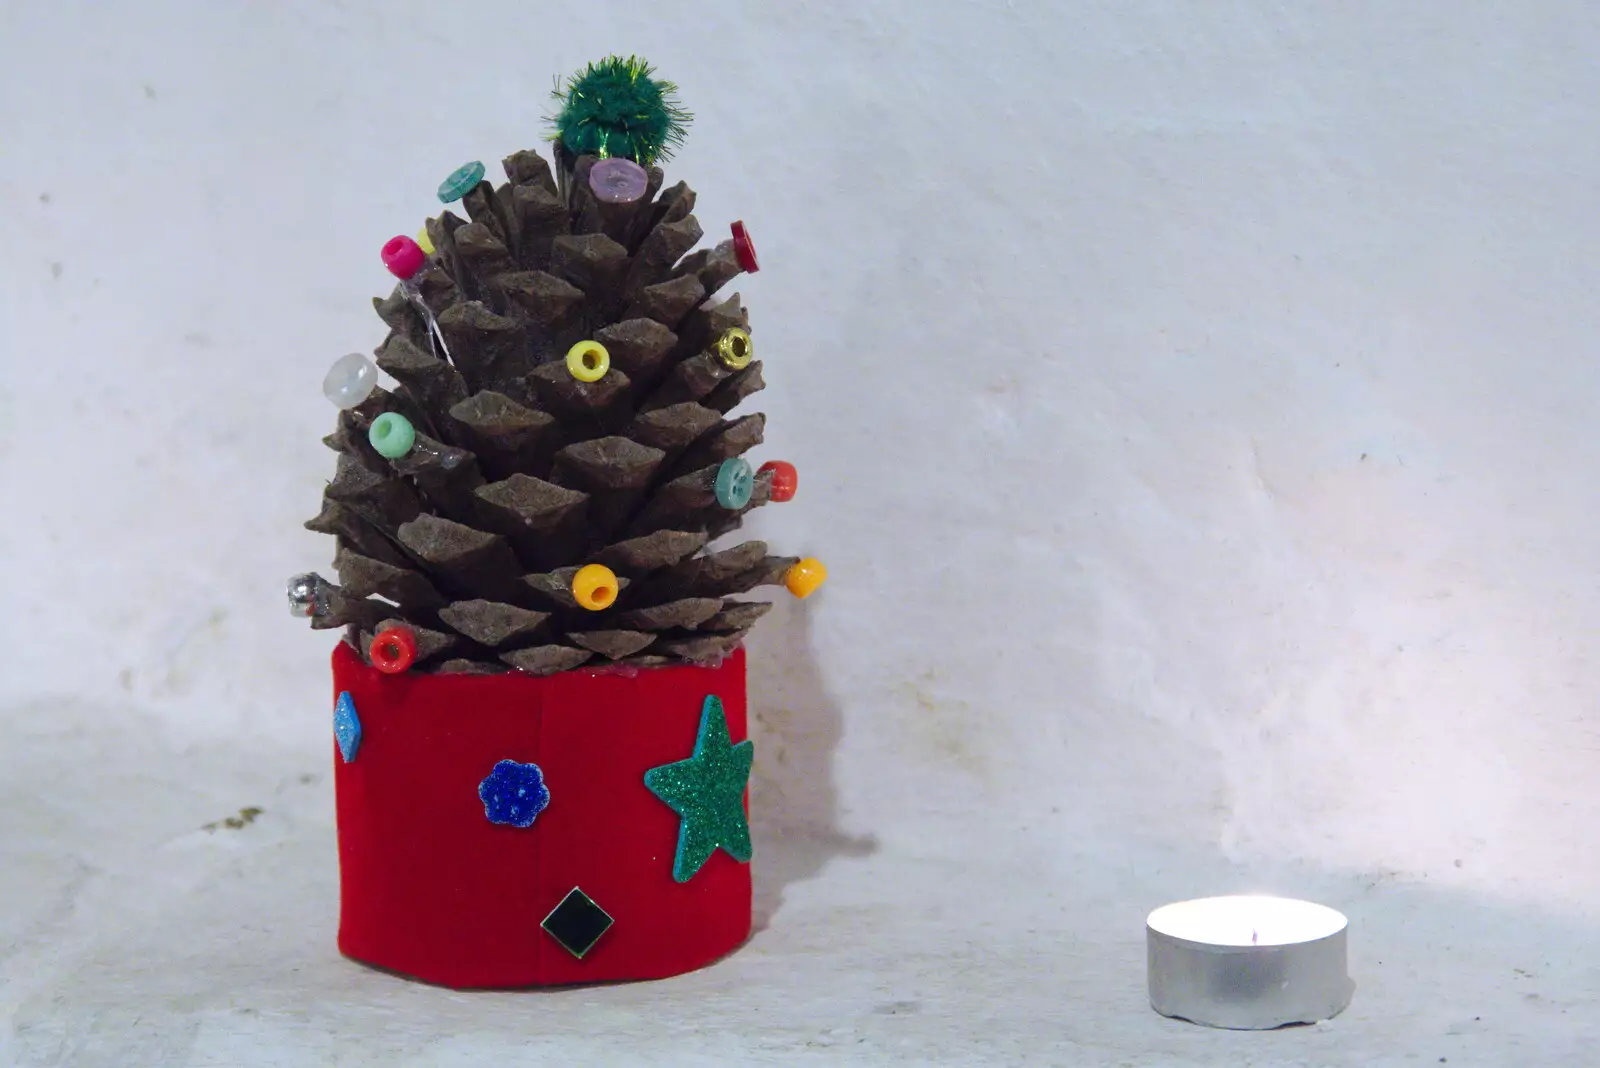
column 743, row 249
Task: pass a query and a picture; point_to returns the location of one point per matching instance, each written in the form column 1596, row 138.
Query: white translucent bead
column 350, row 380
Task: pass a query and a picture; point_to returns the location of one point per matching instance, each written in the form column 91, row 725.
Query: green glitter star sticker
column 707, row 790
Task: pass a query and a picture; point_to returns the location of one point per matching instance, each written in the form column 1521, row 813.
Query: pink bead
column 403, row 256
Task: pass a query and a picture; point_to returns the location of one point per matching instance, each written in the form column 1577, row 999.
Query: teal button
column 463, row 180
column 735, row 483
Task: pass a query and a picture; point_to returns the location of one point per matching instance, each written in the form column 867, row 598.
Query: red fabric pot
column 431, row 888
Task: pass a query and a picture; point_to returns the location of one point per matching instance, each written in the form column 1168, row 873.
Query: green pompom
column 615, row 108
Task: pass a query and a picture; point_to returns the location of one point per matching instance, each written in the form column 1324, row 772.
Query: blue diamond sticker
column 514, row 793
column 347, row 726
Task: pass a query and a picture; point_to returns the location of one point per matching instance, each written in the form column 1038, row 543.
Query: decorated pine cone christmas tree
column 542, row 488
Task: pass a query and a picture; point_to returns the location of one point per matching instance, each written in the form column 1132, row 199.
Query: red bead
column 403, row 256
column 393, row 650
column 785, row 479
column 743, row 249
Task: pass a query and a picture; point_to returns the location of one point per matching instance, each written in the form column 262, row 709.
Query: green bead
column 463, row 180
column 735, row 483
column 393, row 435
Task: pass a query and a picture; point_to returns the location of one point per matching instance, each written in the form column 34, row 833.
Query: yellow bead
column 588, row 361
column 594, row 587
column 423, row 242
column 734, row 348
column 805, row 577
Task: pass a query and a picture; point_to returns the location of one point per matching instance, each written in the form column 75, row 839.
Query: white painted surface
column 1195, row 409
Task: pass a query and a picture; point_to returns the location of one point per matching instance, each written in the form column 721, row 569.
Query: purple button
column 617, row 180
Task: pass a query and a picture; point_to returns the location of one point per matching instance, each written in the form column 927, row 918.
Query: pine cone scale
column 491, row 623
column 612, row 644
column 546, row 659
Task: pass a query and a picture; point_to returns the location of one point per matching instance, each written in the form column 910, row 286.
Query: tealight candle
column 1248, row 963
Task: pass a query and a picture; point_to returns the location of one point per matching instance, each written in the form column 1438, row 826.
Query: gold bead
column 734, row 348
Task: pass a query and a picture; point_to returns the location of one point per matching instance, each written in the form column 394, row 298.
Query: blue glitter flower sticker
column 514, row 794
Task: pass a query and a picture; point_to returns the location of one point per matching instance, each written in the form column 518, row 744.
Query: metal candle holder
column 1248, row 963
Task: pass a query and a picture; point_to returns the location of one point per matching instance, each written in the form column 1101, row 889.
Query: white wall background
column 1195, row 405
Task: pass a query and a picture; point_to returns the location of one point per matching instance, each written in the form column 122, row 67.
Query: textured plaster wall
column 1195, row 403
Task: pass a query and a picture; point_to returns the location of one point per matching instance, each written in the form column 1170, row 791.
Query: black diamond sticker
column 577, row 923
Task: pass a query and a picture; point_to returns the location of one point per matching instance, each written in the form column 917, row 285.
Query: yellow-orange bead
column 424, row 242
column 594, row 587
column 804, row 578
column 588, row 361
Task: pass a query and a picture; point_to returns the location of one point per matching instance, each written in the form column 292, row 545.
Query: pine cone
column 521, row 473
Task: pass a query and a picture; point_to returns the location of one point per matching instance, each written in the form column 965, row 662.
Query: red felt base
column 432, row 889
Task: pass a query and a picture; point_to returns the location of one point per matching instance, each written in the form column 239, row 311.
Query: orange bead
column 594, row 587
column 805, row 577
column 785, row 479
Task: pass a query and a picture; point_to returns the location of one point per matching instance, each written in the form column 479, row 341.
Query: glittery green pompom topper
column 616, row 108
